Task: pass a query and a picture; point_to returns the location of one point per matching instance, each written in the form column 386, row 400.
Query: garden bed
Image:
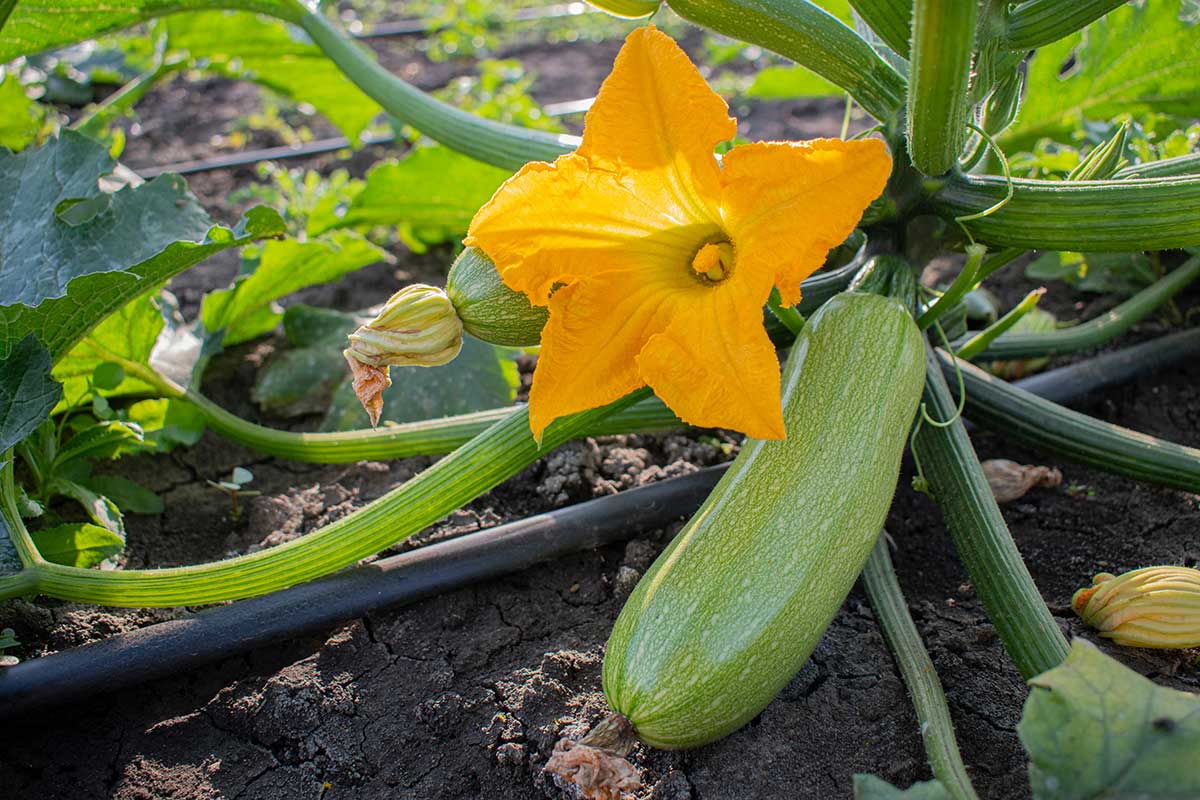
column 464, row 696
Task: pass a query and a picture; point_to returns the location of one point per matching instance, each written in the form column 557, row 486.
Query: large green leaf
column 240, row 45
column 37, row 26
column 870, row 787
column 130, row 334
column 1139, row 58
column 1096, row 729
column 430, row 196
column 71, row 253
column 246, row 310
column 790, row 82
column 27, row 392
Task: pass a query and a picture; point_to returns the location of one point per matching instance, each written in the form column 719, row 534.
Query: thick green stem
column 507, row 146
column 943, row 41
column 980, row 341
column 1163, row 168
column 982, row 538
column 933, row 714
column 967, row 280
column 1049, row 427
column 492, row 457
column 810, row 36
column 1036, row 23
column 1087, row 216
column 890, row 19
column 1098, row 331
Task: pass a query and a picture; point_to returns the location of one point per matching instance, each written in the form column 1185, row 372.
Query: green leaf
column 167, row 423
column 104, row 512
column 786, row 83
column 245, row 310
column 482, row 376
column 130, row 334
column 57, row 280
column 102, row 440
column 28, row 31
column 130, row 497
column 303, row 380
column 1139, row 58
column 77, row 544
column 1105, row 273
column 430, row 196
column 243, row 46
column 27, row 393
column 869, row 787
column 20, row 118
column 1096, row 729
column 108, row 376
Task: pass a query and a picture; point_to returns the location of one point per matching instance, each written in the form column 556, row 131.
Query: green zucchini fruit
column 733, row 608
column 489, row 310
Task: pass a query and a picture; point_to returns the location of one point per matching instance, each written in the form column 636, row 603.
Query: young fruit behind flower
column 654, row 260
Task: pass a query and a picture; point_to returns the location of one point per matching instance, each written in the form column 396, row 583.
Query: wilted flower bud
column 1155, row 607
column 416, row 327
column 1010, row 481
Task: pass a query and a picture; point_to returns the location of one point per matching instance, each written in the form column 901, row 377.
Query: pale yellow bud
column 1155, row 607
column 418, row 326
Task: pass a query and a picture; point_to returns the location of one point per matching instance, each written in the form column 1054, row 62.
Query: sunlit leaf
column 245, row 310
column 77, row 544
column 429, row 196
column 1110, row 75
column 19, row 116
column 130, row 497
column 1096, row 729
column 59, row 280
column 787, row 83
column 27, row 31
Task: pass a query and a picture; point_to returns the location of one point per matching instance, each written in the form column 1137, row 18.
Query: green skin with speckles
column 734, row 607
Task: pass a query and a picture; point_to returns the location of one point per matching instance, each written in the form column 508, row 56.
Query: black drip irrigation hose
column 177, row 645
column 170, row 647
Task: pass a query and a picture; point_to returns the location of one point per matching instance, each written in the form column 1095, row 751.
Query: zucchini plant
column 657, row 282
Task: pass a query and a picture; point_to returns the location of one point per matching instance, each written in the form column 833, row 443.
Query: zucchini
column 733, row 608
column 489, row 310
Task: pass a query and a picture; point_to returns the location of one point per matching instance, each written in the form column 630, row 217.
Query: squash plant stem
column 937, row 730
column 982, row 538
column 490, row 458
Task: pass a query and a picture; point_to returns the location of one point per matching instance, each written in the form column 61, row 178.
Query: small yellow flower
column 655, row 260
column 1150, row 607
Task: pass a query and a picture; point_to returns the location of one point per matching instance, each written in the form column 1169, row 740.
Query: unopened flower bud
column 1155, row 607
column 416, row 327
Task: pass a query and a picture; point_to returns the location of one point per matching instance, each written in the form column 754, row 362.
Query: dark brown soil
column 465, row 695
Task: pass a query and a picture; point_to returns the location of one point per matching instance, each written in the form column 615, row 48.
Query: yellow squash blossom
column 655, row 259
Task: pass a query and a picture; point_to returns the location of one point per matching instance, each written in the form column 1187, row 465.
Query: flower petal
column 656, row 115
column 589, row 345
column 786, row 205
column 563, row 222
column 714, row 365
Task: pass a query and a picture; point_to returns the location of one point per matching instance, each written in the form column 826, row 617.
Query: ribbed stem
column 933, row 714
column 1049, row 427
column 507, row 146
column 1089, row 216
column 487, row 460
column 966, row 281
column 1164, row 168
column 979, row 342
column 1098, row 331
column 810, row 36
column 1036, row 23
column 982, row 538
column 890, row 19
column 943, row 41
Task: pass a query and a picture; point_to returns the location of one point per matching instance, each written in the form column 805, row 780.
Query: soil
column 464, row 696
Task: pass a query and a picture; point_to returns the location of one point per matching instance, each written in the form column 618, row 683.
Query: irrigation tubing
column 167, row 648
column 177, row 645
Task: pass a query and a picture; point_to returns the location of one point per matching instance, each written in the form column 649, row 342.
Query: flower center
column 713, row 262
